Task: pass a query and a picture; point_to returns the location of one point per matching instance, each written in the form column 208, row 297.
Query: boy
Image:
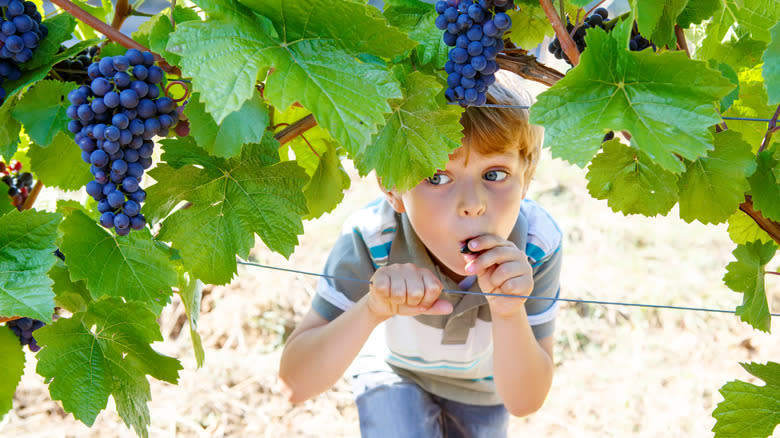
column 427, row 363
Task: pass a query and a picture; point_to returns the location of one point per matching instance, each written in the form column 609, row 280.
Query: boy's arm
column 522, row 366
column 319, row 351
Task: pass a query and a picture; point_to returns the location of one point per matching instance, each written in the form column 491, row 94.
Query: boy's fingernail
column 470, row 268
column 472, row 244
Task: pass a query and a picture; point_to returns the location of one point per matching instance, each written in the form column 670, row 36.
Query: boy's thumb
column 439, row 307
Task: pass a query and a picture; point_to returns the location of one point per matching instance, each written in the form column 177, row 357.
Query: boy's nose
column 472, row 203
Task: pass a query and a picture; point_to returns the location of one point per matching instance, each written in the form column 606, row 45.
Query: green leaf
column 226, row 55
column 752, row 103
column 26, row 255
column 743, row 229
column 42, row 110
column 116, row 266
column 665, row 101
column 247, row 125
column 697, row 11
column 9, row 130
column 407, row 14
column 656, row 20
column 748, row 410
column 232, row 199
column 190, row 291
column 5, row 205
column 630, row 181
column 731, row 75
column 746, row 275
column 326, row 188
column 530, row 24
column 70, row 295
column 757, row 16
column 102, row 11
column 105, row 351
column 161, row 29
column 765, row 187
column 417, row 137
column 771, row 67
column 62, row 153
column 431, row 47
column 11, row 368
column 712, row 187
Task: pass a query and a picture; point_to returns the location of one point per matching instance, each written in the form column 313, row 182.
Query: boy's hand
column 405, row 289
column 500, row 268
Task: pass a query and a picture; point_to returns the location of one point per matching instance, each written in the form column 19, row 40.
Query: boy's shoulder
column 376, row 225
column 544, row 235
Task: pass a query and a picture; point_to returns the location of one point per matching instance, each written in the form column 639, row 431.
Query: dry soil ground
column 621, row 372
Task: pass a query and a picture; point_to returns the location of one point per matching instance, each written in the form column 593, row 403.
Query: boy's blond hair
column 496, row 130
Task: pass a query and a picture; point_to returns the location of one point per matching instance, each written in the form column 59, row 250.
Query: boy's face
column 464, row 201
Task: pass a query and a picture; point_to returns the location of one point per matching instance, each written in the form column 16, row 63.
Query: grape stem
column 122, row 10
column 771, row 227
column 112, row 33
column 770, row 130
column 12, row 318
column 567, row 44
column 287, row 134
column 28, row 203
column 772, row 272
column 681, row 42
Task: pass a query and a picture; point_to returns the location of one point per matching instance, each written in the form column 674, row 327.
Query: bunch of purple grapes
column 23, row 328
column 474, row 30
column 20, row 33
column 114, row 121
column 599, row 18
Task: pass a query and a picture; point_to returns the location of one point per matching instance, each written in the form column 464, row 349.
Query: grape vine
column 657, row 129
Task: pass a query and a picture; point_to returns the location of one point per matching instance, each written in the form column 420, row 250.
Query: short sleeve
column 542, row 312
column 349, row 260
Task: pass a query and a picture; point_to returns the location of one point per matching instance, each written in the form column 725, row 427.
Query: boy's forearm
column 523, row 370
column 314, row 360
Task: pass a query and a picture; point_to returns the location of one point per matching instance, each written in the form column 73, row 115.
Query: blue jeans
column 392, row 406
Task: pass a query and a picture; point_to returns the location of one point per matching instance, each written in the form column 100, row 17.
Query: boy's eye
column 439, row 179
column 495, row 175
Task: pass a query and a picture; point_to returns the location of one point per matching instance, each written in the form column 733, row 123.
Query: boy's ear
column 395, row 201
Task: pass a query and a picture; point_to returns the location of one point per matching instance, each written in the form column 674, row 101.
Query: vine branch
column 682, row 44
column 122, row 10
column 287, row 134
column 567, row 44
column 28, row 203
column 770, row 130
column 771, row 227
column 526, row 66
column 112, row 33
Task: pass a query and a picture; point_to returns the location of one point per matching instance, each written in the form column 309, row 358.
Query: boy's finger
column 495, row 256
column 398, row 290
column 380, row 283
column 440, row 307
column 415, row 290
column 485, row 242
column 432, row 289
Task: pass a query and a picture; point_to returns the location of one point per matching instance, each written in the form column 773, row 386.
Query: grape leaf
column 190, row 291
column 62, row 153
column 752, row 103
column 746, row 275
column 326, row 188
column 757, row 16
column 247, row 125
column 232, row 199
column 771, row 67
column 530, row 24
column 156, row 32
column 42, row 110
column 26, row 247
column 116, row 266
column 70, row 295
column 60, row 28
column 665, row 101
column 656, row 20
column 731, row 75
column 11, row 368
column 630, row 181
column 712, row 187
column 102, row 11
column 431, row 48
column 748, row 410
column 417, row 137
column 105, row 351
column 743, row 229
column 226, row 54
column 5, row 205
column 765, row 187
column 9, row 130
column 697, row 11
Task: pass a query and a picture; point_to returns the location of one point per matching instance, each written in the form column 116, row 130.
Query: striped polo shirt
column 448, row 355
